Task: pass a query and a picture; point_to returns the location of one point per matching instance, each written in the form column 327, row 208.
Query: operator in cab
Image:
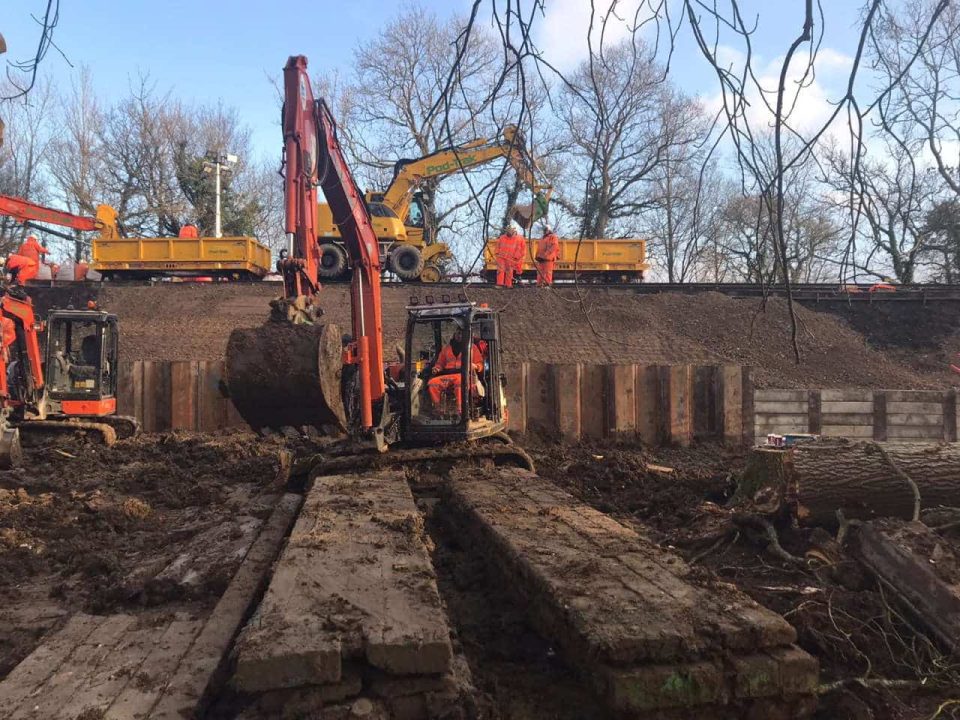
column 446, row 370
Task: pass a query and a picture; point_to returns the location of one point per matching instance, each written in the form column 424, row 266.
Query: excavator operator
column 446, row 370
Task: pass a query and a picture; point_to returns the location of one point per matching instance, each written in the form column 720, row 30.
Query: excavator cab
column 81, row 363
column 455, row 388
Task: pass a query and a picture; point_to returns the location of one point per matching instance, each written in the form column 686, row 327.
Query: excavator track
column 103, row 432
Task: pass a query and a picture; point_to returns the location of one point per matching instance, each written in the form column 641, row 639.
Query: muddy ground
column 156, row 524
column 841, row 615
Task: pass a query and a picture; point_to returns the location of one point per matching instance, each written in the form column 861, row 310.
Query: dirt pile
column 193, row 322
column 159, row 521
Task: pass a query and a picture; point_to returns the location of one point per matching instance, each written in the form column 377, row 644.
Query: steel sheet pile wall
column 659, row 404
column 656, row 403
column 892, row 415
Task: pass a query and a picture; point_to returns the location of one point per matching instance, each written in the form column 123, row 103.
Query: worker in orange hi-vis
column 507, row 248
column 22, row 268
column 519, row 254
column 548, row 250
column 446, row 369
column 31, row 248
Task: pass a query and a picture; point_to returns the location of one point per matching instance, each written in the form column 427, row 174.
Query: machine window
column 74, row 352
column 436, row 352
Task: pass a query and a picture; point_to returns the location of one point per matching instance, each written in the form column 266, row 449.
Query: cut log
column 281, row 374
column 865, row 480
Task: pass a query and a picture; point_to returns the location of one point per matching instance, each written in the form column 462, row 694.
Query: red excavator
column 74, row 387
column 293, row 371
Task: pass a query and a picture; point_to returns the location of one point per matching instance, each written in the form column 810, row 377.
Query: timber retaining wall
column 656, row 404
column 891, row 415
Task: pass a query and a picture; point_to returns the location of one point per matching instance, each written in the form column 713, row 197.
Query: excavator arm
column 408, row 174
column 313, row 157
column 25, row 211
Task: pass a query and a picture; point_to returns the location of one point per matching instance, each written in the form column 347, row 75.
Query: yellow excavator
column 403, row 230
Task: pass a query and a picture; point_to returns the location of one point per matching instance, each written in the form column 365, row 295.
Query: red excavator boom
column 23, row 210
column 313, row 156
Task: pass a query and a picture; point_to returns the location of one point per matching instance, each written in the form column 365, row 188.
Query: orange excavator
column 70, row 387
column 295, row 371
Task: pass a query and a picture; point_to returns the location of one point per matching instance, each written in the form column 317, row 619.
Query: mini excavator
column 294, row 371
column 72, row 387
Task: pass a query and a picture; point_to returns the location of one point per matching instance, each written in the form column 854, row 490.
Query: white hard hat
column 31, row 236
column 547, row 228
column 515, row 227
column 3, row 261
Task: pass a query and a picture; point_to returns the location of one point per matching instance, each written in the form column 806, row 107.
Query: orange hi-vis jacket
column 548, row 248
column 509, row 248
column 448, row 361
column 32, row 249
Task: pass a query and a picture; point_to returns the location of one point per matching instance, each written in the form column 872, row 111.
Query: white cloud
column 561, row 35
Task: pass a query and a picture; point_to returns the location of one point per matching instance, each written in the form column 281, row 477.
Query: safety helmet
column 547, row 229
column 3, row 261
column 514, row 227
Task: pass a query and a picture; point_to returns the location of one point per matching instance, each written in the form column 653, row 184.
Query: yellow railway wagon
column 599, row 260
column 231, row 257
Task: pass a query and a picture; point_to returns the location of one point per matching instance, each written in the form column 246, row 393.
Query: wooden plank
column 183, row 395
column 798, row 407
column 732, row 388
column 593, row 401
column 200, row 674
column 761, row 431
column 931, row 432
column 914, row 407
column 25, row 680
column 773, row 395
column 848, row 407
column 913, row 580
column 621, row 400
column 212, row 405
column 516, row 396
column 950, row 416
column 130, row 388
column 814, row 412
column 566, row 384
column 354, row 579
column 156, row 396
column 681, row 405
column 779, row 418
column 856, row 431
column 648, row 404
column 924, row 396
column 835, row 418
column 846, row 395
column 541, row 400
column 879, row 416
column 926, row 420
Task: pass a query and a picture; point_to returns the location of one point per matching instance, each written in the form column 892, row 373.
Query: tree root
column 750, row 521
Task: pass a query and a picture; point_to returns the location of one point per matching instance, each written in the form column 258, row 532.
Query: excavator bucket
column 11, row 453
column 526, row 215
column 281, row 374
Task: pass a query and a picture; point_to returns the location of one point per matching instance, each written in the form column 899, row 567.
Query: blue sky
column 208, row 50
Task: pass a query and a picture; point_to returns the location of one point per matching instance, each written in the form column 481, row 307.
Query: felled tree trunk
column 864, row 480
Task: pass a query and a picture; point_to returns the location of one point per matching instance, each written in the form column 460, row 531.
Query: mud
column 841, row 615
column 158, row 522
